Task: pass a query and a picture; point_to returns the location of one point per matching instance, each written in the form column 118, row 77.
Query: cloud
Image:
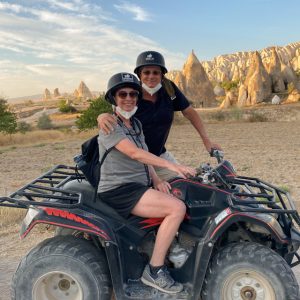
column 55, row 44
column 139, row 13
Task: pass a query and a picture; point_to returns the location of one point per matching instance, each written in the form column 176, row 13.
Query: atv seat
column 88, row 198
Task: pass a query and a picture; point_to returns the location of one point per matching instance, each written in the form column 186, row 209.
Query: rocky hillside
column 259, row 76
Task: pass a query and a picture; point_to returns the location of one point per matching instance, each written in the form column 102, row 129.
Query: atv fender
column 75, row 219
column 264, row 223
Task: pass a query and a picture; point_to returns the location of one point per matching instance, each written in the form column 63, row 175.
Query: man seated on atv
column 160, row 98
column 127, row 173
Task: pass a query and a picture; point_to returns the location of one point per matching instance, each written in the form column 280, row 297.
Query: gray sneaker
column 162, row 281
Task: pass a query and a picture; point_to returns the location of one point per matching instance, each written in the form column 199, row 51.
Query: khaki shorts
column 163, row 173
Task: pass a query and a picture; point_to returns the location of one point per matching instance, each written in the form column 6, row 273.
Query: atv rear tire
column 62, row 268
column 249, row 271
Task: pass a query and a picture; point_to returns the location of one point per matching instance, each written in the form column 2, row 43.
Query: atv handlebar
column 218, row 154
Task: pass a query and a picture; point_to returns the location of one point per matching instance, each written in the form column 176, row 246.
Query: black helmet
column 150, row 58
column 119, row 81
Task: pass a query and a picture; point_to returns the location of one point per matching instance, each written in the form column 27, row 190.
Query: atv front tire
column 249, row 271
column 62, row 268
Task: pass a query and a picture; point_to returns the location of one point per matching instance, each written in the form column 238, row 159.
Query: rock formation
column 219, row 91
column 257, row 84
column 234, row 66
column 56, row 93
column 76, row 94
column 274, row 69
column 47, row 95
column 83, row 91
column 194, row 83
column 230, row 100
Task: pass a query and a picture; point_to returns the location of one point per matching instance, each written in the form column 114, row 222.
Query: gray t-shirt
column 118, row 168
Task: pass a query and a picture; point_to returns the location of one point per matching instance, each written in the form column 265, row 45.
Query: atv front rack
column 255, row 195
column 46, row 190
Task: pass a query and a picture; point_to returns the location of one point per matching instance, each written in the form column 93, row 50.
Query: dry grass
column 10, row 216
column 39, row 136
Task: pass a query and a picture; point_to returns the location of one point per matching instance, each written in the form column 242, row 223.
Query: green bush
column 229, row 85
column 88, row 119
column 23, row 127
column 65, row 107
column 44, row 122
column 8, row 120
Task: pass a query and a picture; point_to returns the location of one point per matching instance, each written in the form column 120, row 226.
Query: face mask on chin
column 126, row 114
column 153, row 90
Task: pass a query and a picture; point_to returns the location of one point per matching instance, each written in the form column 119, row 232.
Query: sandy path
column 269, row 151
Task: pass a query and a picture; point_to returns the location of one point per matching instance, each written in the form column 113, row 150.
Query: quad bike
column 238, row 241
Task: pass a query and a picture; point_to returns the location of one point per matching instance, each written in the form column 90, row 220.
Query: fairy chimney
column 257, row 85
column 194, row 83
column 76, row 94
column 83, row 91
column 274, row 70
column 56, row 93
column 47, row 94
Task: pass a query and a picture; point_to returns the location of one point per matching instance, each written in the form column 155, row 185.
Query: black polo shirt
column 157, row 118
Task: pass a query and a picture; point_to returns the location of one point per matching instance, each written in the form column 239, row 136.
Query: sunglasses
column 148, row 72
column 123, row 94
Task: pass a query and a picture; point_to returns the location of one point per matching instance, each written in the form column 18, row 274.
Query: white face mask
column 126, row 114
column 153, row 90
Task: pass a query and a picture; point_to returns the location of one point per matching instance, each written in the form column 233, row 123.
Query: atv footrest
column 137, row 290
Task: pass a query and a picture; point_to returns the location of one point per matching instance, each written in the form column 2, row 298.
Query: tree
column 8, row 120
column 88, row 119
column 23, row 127
column 44, row 122
column 65, row 107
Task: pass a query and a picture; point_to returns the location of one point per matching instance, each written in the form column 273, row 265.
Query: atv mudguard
column 76, row 219
column 227, row 217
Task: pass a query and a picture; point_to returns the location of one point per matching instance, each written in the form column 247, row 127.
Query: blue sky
column 58, row 43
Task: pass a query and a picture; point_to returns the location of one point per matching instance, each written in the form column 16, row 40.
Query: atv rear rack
column 260, row 196
column 46, row 190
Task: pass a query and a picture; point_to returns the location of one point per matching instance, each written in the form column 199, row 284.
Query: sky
column 57, row 43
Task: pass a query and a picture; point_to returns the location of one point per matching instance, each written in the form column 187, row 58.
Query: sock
column 154, row 270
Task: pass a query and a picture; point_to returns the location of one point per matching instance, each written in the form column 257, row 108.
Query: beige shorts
column 163, row 173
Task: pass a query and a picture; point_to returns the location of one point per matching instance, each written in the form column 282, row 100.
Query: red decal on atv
column 102, row 233
column 151, row 222
column 177, row 192
column 72, row 217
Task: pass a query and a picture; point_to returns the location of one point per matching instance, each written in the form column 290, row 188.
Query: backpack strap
column 168, row 86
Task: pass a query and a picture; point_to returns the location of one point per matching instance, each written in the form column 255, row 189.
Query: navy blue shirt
column 157, row 118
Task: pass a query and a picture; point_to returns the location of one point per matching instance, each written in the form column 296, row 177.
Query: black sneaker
column 162, row 281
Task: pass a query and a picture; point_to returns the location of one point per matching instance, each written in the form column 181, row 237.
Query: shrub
column 8, row 120
column 219, row 116
column 256, row 117
column 236, row 113
column 44, row 122
column 88, row 119
column 65, row 107
column 23, row 127
column 229, row 85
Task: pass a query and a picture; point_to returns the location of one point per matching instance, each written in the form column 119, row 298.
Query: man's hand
column 209, row 145
column 106, row 122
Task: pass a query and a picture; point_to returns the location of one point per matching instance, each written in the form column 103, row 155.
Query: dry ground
column 268, row 150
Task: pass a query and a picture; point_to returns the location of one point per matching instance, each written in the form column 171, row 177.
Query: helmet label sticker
column 127, row 77
column 149, row 57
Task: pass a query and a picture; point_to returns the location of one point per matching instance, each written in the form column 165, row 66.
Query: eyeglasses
column 123, row 94
column 148, row 72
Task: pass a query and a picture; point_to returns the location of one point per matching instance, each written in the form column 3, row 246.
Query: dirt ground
column 268, row 150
